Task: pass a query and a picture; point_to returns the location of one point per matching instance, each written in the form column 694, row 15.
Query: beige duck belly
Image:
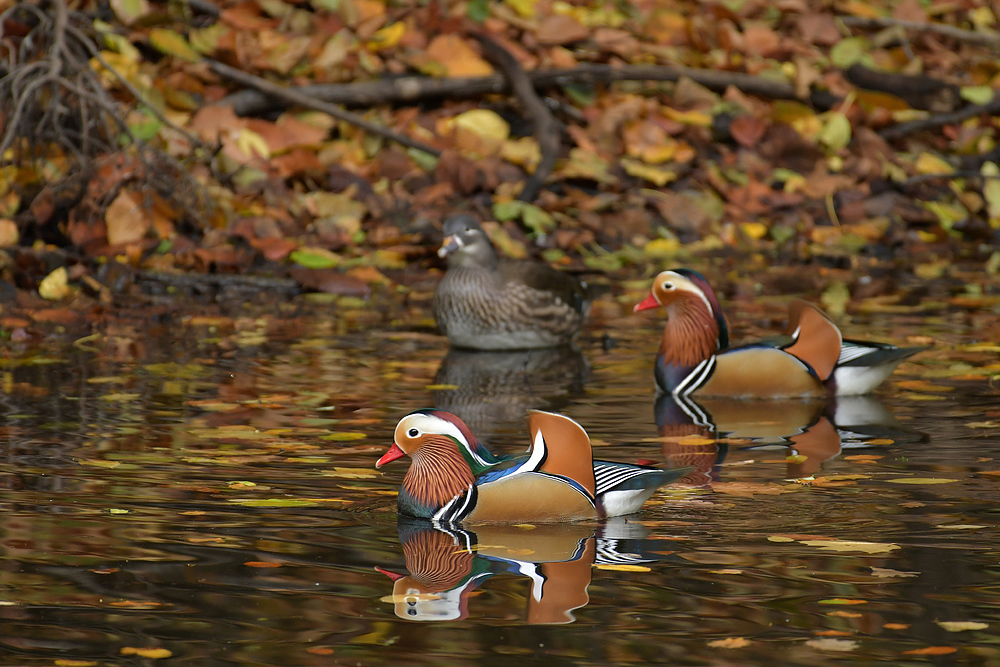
column 760, row 372
column 530, row 498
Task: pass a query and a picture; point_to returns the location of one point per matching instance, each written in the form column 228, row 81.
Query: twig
column 293, row 96
column 135, row 92
column 962, row 35
column 547, row 131
column 937, row 120
column 417, row 88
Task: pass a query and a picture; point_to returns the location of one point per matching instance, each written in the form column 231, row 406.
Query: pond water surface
column 200, row 489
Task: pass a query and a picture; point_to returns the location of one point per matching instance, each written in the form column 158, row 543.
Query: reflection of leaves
column 272, row 502
column 932, row 650
column 921, row 480
column 884, row 572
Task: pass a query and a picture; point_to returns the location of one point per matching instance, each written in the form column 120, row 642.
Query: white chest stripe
column 696, row 377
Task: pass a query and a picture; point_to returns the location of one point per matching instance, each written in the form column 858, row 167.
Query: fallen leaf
column 961, row 526
column 261, row 564
column 896, row 626
column 125, row 219
column 844, row 614
column 55, row 286
column 845, row 601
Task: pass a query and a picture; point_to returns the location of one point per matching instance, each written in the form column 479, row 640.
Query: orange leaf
column 261, row 563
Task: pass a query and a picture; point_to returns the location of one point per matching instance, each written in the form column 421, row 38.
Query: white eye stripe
column 430, row 424
column 686, row 285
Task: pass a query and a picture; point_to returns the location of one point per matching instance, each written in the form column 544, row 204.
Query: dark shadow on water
column 490, row 389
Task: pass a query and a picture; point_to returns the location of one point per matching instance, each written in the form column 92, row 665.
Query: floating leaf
column 896, row 626
column 117, row 511
column 730, row 642
column 962, row 626
column 151, row 653
column 932, row 650
column 833, row 644
column 845, row 601
column 261, row 564
column 961, row 526
column 846, row 545
column 779, row 538
column 884, row 573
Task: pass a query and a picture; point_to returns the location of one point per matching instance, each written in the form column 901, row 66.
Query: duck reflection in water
column 446, row 564
column 700, row 433
column 492, row 390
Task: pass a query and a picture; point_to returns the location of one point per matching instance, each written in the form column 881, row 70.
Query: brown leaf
column 561, row 29
column 458, row 58
column 747, row 130
column 126, row 220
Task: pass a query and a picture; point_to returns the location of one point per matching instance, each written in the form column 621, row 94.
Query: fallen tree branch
column 991, row 108
column 410, row 89
column 546, row 127
column 298, row 98
column 960, row 34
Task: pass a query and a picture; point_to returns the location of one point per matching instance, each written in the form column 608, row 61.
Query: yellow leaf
column 755, row 230
column 928, row 163
column 172, row 44
column 730, row 642
column 843, row 601
column 779, row 538
column 54, row 286
column 129, row 11
column 524, row 8
column 9, row 233
column 662, row 248
column 249, row 142
column 845, row 545
column 117, row 511
column 387, row 37
column 100, row 463
column 699, row 118
column 524, row 152
column 655, row 175
column 153, row 653
column 480, row 131
column 457, row 57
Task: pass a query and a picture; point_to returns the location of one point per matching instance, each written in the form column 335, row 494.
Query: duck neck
column 480, row 255
column 438, row 473
column 690, row 335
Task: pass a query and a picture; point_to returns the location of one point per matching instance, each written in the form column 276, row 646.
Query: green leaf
column 977, row 94
column 129, row 11
column 315, row 258
column 848, row 51
column 836, row 132
column 478, row 10
column 991, row 192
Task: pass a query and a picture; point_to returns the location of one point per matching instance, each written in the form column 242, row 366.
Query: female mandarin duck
column 487, row 303
column 453, row 478
column 812, row 359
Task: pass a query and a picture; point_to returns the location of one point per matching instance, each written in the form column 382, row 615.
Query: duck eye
column 668, row 286
column 413, row 433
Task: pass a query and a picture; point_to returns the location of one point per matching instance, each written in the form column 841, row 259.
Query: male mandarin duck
column 454, row 479
column 488, row 303
column 812, row 359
